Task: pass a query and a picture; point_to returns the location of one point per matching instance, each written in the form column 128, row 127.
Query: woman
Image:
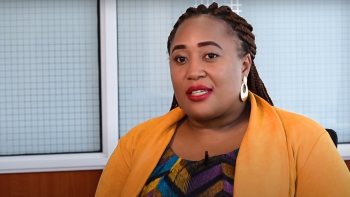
column 219, row 139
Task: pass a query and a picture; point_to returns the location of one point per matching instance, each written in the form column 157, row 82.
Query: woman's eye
column 180, row 59
column 210, row 56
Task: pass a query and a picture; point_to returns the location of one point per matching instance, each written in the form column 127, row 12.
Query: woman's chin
column 200, row 115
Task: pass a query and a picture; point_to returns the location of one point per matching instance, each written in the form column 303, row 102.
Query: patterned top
column 176, row 177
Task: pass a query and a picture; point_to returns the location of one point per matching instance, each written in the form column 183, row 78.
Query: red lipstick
column 198, row 93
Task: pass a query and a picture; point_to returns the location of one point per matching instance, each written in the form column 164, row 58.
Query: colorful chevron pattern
column 178, row 177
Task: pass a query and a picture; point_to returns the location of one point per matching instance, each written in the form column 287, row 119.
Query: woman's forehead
column 202, row 28
column 203, row 22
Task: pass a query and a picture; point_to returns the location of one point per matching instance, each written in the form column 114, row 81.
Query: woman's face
column 206, row 71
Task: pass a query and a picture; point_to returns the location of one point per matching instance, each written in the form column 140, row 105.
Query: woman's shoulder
column 154, row 126
column 295, row 125
column 144, row 128
column 138, row 136
column 294, row 119
column 300, row 129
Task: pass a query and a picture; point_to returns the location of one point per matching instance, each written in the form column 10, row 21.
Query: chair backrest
column 334, row 136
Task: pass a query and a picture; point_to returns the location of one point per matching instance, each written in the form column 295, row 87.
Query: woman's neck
column 217, row 136
column 225, row 122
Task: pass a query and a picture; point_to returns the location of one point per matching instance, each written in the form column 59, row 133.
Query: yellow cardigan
column 282, row 155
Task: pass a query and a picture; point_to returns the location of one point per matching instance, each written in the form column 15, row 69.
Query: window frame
column 344, row 150
column 109, row 102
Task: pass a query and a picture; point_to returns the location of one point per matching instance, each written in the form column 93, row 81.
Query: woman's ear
column 246, row 64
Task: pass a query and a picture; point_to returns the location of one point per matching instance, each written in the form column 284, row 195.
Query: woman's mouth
column 198, row 93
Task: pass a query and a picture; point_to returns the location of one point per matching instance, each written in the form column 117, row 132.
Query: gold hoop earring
column 244, row 89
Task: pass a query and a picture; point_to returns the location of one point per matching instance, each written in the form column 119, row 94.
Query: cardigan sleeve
column 324, row 173
column 115, row 173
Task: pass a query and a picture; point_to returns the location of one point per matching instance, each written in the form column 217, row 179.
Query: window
column 302, row 50
column 302, row 58
column 54, row 72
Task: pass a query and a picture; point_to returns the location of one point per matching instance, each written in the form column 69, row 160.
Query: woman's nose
column 195, row 70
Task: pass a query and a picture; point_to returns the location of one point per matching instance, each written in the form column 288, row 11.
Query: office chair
column 334, row 136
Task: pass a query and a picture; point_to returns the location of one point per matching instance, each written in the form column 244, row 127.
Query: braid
column 239, row 27
column 256, row 85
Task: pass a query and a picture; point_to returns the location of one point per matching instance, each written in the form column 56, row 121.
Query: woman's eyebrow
column 201, row 44
column 178, row 47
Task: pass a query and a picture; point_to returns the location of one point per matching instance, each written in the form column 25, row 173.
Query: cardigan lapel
column 146, row 158
column 262, row 167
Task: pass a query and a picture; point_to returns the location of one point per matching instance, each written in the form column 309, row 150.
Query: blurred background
column 50, row 74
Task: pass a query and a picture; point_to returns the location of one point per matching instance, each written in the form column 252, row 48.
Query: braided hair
column 238, row 27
